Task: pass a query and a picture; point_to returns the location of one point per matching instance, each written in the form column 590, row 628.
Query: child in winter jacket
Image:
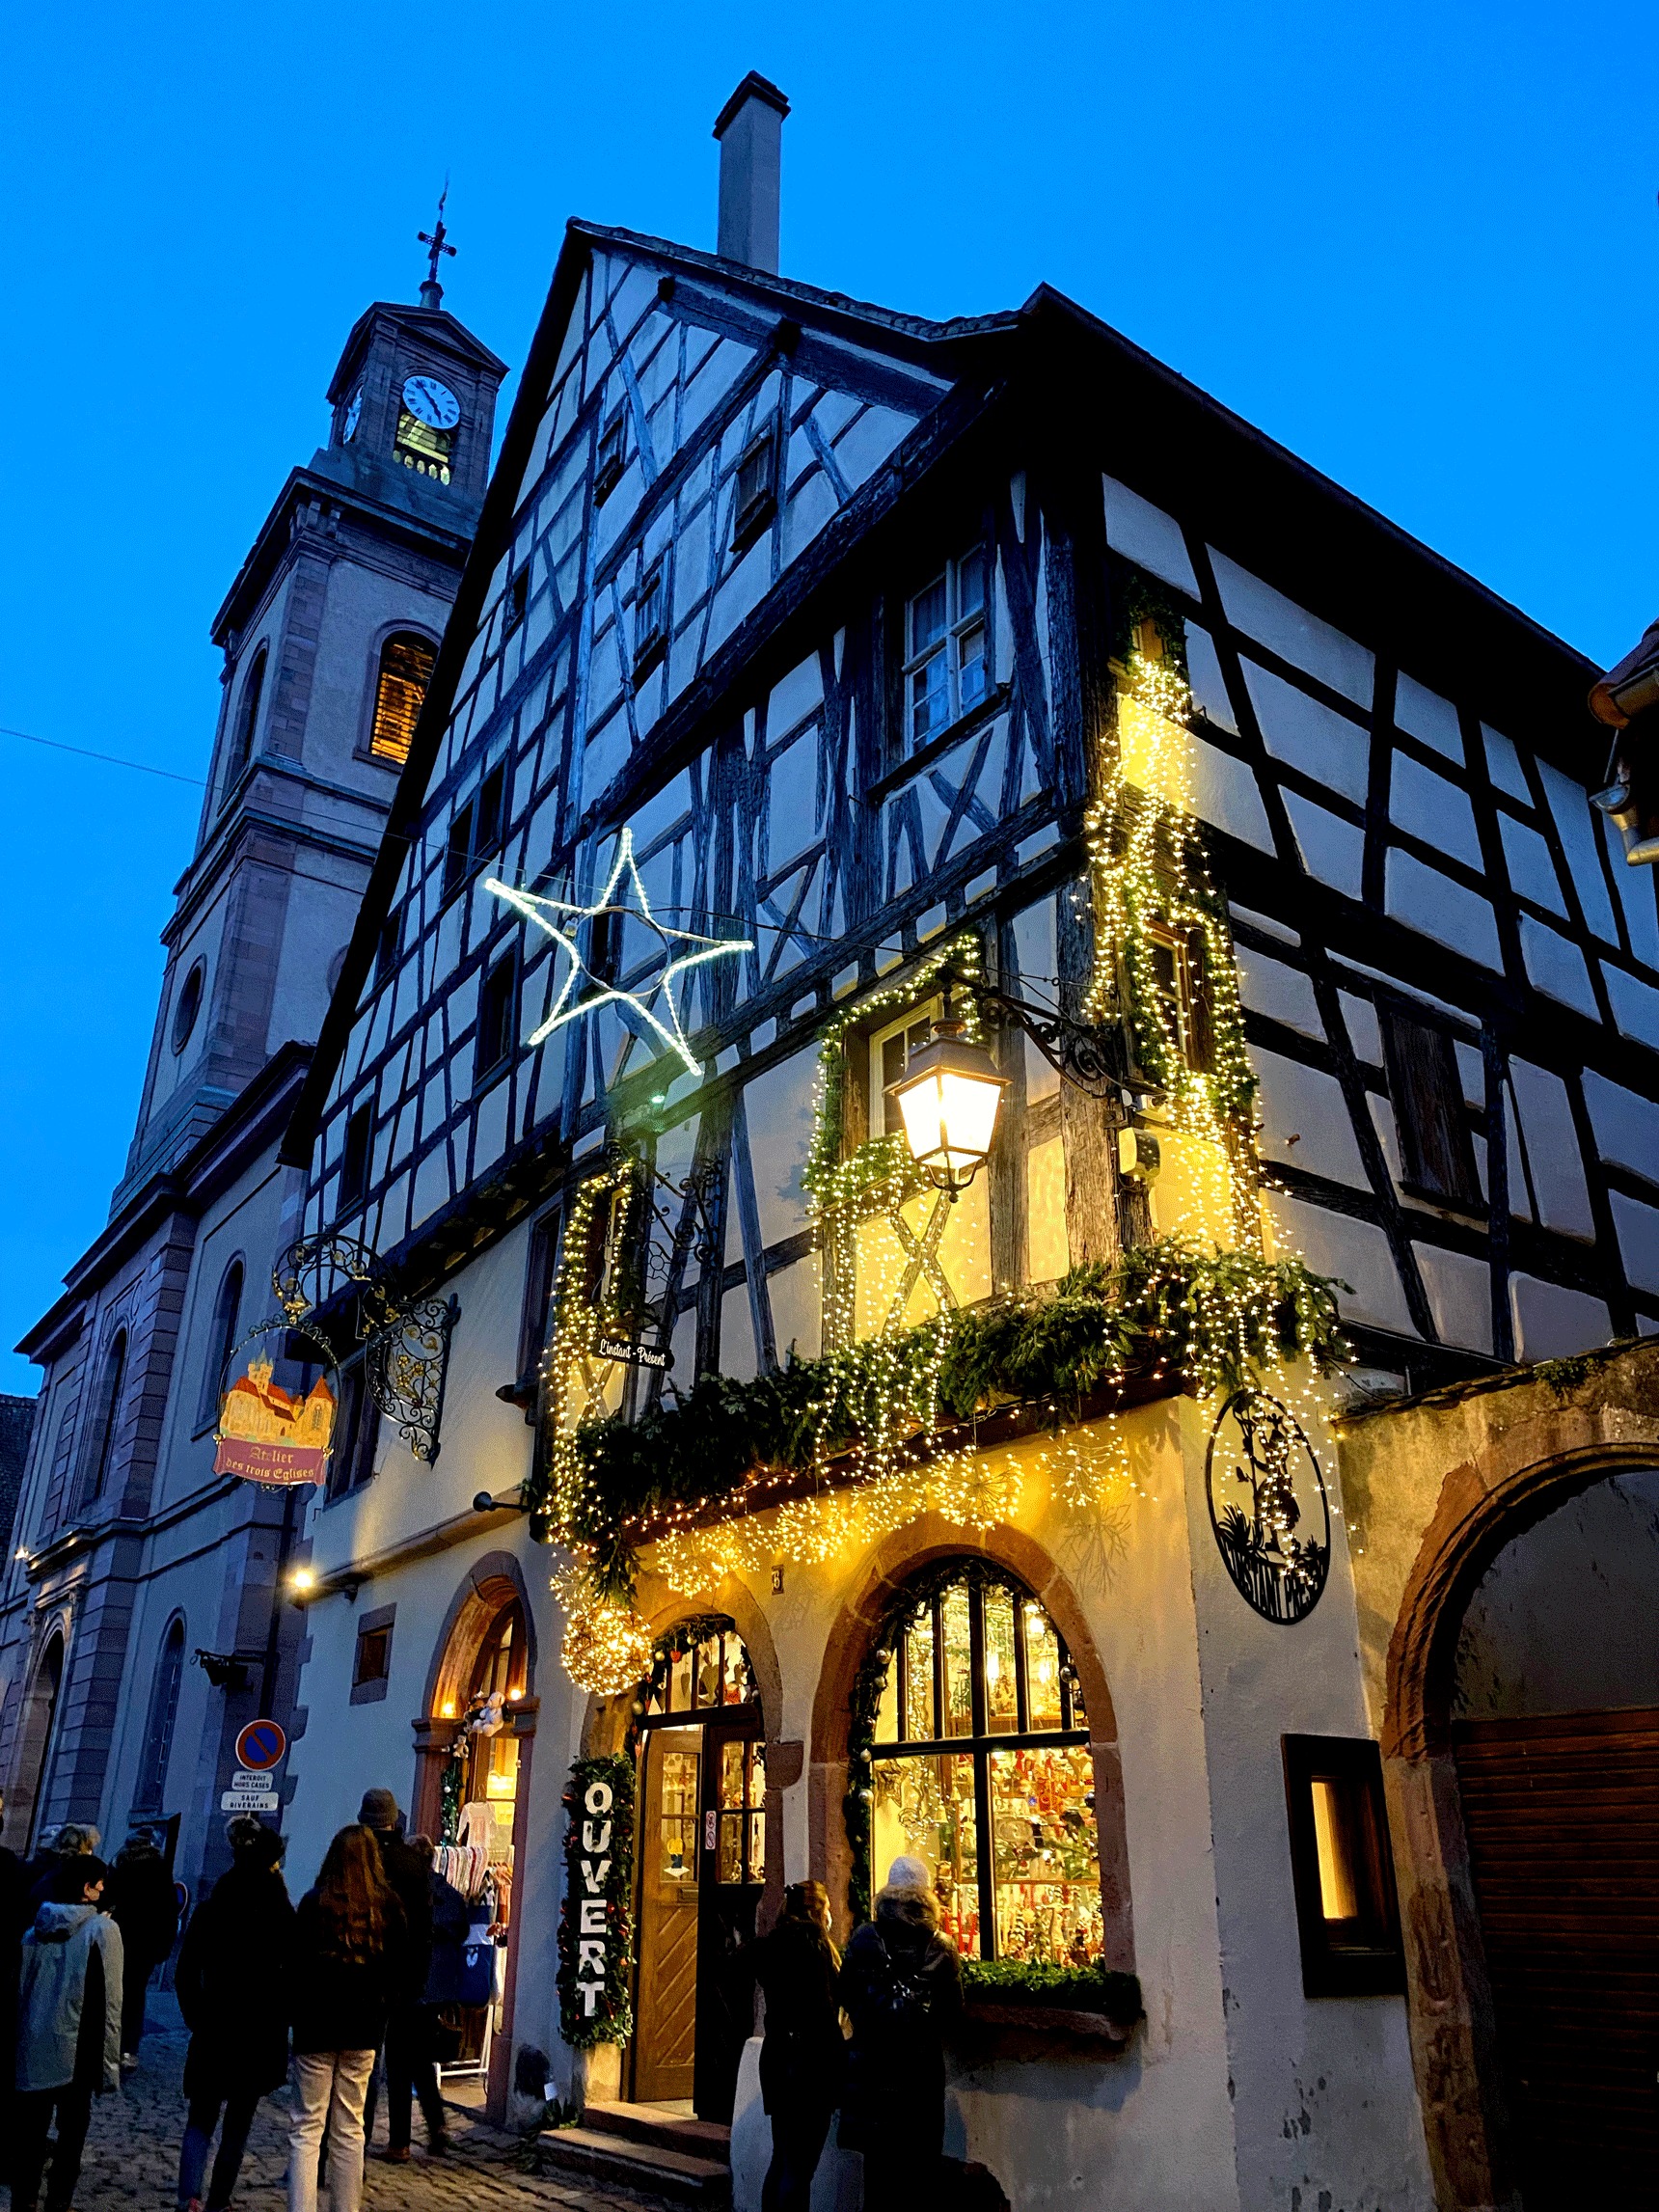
column 69, row 2031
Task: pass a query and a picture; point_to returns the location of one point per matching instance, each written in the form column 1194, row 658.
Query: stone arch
column 1522, row 1452
column 891, row 1563
column 36, row 1732
column 492, row 1582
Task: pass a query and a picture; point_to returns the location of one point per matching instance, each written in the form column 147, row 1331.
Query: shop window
column 354, row 1159
column 754, row 493
column 1342, row 1866
column 498, row 1683
column 702, row 1676
column 947, row 656
column 981, row 1768
column 399, row 688
column 1436, row 1151
column 372, row 1670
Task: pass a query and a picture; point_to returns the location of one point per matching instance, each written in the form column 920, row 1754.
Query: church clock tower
column 131, row 1555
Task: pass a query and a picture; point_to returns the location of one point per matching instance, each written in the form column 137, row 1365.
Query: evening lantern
column 948, row 1096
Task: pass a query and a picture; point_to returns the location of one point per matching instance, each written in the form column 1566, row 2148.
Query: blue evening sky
column 1416, row 243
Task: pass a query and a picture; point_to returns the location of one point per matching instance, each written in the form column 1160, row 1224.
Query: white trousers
column 329, row 2089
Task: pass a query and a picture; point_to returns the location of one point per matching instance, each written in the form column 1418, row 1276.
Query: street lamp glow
column 302, row 1579
column 948, row 1096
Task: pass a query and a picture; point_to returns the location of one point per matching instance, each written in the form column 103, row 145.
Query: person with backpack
column 140, row 1900
column 349, row 1961
column 801, row 2055
column 412, row 2048
column 69, row 2031
column 231, row 1986
column 901, row 1987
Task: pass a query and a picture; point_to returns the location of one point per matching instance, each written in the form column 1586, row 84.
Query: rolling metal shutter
column 1563, row 1820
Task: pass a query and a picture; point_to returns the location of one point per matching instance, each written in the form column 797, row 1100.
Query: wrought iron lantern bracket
column 406, row 1341
column 1093, row 1056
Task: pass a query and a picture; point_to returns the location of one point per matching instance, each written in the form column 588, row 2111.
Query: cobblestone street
column 132, row 2158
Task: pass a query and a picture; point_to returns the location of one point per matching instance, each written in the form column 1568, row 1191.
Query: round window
column 188, row 1006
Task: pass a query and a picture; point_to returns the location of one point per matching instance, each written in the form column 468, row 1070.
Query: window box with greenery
column 1028, row 2009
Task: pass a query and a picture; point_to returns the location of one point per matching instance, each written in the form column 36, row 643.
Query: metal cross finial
column 435, row 241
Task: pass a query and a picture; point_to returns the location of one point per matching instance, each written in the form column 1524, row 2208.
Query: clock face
column 431, row 402
column 349, row 430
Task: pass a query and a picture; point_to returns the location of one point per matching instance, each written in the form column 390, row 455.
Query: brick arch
column 1514, row 1478
column 892, row 1564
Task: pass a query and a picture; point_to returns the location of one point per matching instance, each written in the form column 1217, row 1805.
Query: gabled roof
column 1259, row 496
column 435, row 324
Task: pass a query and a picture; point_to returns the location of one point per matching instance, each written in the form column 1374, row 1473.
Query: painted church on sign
column 983, row 1177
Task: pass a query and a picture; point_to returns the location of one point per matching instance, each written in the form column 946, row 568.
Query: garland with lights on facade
column 1153, row 892
column 595, row 1923
column 1205, row 1319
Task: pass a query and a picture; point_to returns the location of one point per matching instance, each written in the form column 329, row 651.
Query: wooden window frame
column 374, row 1637
column 492, row 1054
column 958, row 626
column 1425, row 1090
column 1360, row 1957
column 610, row 455
column 357, row 1148
column 753, row 504
column 650, row 620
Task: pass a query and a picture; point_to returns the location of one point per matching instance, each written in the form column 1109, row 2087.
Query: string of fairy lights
column 1154, row 902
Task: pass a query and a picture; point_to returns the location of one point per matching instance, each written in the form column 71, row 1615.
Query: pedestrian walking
column 140, row 1900
column 411, row 2057
column 69, row 2031
column 901, row 1984
column 406, row 1871
column 350, row 1953
column 802, row 2056
column 233, row 1989
column 74, row 1838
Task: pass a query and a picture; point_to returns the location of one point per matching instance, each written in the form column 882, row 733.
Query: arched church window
column 405, row 672
column 163, row 1719
column 227, row 1313
column 106, row 1406
column 980, row 1768
column 248, row 714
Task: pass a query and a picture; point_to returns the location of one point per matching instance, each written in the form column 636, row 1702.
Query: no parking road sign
column 261, row 1745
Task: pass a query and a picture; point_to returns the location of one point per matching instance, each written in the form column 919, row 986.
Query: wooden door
column 733, row 1873
column 1563, row 1820
column 665, row 2000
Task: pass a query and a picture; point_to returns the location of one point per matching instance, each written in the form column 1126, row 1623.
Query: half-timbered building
column 821, row 673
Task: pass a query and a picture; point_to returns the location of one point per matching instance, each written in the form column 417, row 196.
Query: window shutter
column 1435, row 1150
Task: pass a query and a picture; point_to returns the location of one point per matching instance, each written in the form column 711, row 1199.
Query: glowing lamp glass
column 948, row 1098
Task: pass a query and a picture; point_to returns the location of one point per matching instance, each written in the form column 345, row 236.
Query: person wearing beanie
column 801, row 2055
column 901, row 1987
column 69, row 2031
column 406, row 1872
column 231, row 1986
column 140, row 1900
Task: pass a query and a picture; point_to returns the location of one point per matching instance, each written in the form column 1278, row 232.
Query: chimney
column 750, row 130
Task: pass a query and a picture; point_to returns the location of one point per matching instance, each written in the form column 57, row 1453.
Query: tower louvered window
column 405, row 672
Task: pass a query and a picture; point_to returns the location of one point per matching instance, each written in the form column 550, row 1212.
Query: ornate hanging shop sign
column 1268, row 1507
column 276, row 1419
column 595, row 1929
column 406, row 1341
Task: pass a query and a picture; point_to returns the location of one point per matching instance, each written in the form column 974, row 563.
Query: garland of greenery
column 1055, row 1989
column 1209, row 1321
column 596, row 2007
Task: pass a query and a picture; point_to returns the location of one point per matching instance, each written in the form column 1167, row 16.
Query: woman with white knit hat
column 901, row 1986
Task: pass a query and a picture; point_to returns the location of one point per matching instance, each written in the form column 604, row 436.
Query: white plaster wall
column 1325, row 2103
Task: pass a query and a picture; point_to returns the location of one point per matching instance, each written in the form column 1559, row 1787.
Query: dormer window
column 427, row 421
column 755, row 496
column 946, row 665
column 609, row 462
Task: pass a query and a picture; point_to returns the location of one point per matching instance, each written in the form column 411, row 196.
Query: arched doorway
column 700, row 1867
column 36, row 1732
column 1555, row 1734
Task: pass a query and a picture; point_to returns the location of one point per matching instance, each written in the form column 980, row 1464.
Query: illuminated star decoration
column 565, row 1007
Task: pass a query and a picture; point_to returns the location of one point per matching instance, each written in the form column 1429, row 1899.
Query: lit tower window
column 405, row 672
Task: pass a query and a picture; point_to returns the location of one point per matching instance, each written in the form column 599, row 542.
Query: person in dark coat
column 14, row 1897
column 901, row 1985
column 232, row 1985
column 351, row 1957
column 406, row 1871
column 141, row 1901
column 74, row 1840
column 801, row 2056
column 411, row 2061
column 69, row 2021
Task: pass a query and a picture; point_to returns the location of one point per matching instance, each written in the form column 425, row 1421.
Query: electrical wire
column 110, row 759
